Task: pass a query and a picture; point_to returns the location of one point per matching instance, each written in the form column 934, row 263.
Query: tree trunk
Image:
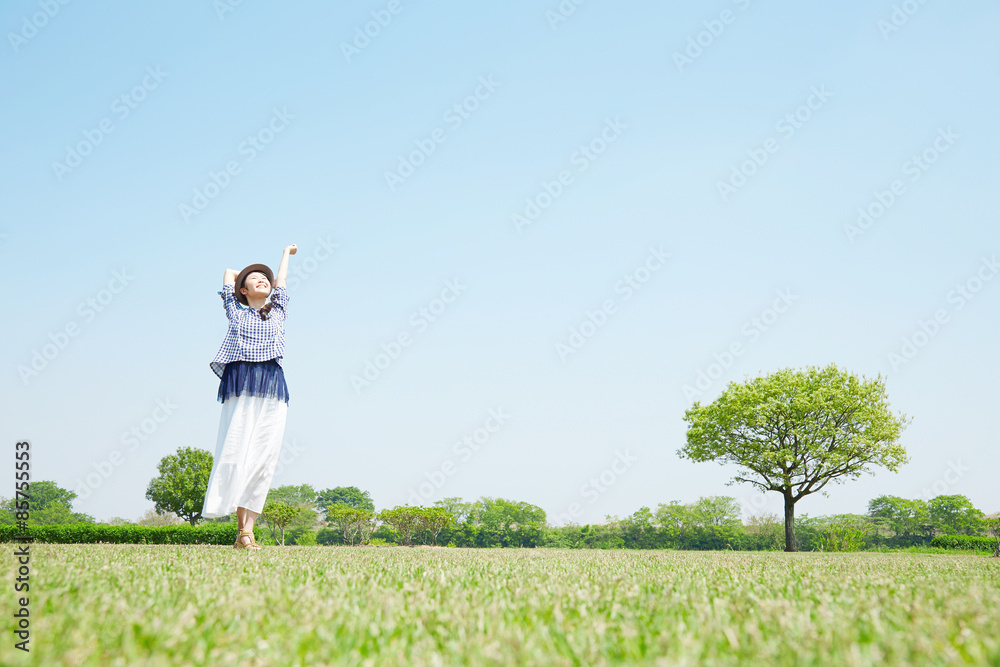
column 194, row 521
column 789, row 523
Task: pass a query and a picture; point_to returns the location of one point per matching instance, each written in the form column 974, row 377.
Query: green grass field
column 199, row 605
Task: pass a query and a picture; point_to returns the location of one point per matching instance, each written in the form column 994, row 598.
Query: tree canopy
column 301, row 495
column 955, row 515
column 278, row 515
column 348, row 495
column 182, row 483
column 49, row 504
column 794, row 431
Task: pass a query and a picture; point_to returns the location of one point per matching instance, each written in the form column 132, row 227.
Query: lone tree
column 49, row 504
column 794, row 431
column 347, row 495
column 279, row 514
column 182, row 483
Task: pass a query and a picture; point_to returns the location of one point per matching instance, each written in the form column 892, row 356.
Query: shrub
column 965, row 542
column 328, row 537
column 89, row 533
column 306, row 538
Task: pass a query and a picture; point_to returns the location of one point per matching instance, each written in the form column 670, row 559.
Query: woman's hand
column 280, row 276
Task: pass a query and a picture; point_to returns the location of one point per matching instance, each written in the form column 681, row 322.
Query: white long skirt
column 250, row 433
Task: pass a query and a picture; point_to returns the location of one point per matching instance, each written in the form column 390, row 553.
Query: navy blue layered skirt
column 253, row 378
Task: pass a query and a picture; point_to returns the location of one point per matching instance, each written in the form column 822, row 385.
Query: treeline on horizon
column 300, row 515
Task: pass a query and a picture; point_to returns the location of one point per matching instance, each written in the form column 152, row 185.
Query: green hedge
column 90, row 533
column 966, row 542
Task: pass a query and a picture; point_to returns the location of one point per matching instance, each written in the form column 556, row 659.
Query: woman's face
column 256, row 285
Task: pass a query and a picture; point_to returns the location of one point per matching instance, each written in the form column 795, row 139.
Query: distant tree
column 434, row 520
column 153, row 518
column 906, row 518
column 410, row 521
column 993, row 527
column 500, row 513
column 45, row 493
column 795, row 431
column 405, row 519
column 348, row 495
column 461, row 511
column 766, row 530
column 278, row 515
column 58, row 513
column 673, row 515
column 119, row 521
column 716, row 511
column 955, row 515
column 505, row 522
column 49, row 504
column 642, row 517
column 845, row 532
column 305, row 498
column 638, row 531
column 351, row 522
column 304, row 494
column 182, row 483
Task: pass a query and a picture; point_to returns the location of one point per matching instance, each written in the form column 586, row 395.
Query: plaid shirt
column 250, row 338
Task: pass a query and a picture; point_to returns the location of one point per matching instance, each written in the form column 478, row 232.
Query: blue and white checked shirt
column 250, row 338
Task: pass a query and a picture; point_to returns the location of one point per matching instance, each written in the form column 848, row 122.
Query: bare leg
column 249, row 518
column 245, row 520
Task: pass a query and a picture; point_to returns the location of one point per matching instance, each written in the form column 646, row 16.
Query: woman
column 253, row 393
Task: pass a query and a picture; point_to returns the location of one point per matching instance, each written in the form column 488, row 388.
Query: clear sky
column 566, row 212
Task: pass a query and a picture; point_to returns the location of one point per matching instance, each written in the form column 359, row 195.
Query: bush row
column 209, row 533
column 605, row 536
column 967, row 542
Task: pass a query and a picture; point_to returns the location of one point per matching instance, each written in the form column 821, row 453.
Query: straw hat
column 242, row 298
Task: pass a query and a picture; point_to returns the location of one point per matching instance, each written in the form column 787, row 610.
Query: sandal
column 239, row 541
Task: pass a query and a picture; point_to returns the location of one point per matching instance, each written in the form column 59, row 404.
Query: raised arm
column 228, row 296
column 279, row 279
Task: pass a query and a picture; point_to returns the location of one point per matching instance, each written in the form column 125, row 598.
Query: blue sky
column 730, row 145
